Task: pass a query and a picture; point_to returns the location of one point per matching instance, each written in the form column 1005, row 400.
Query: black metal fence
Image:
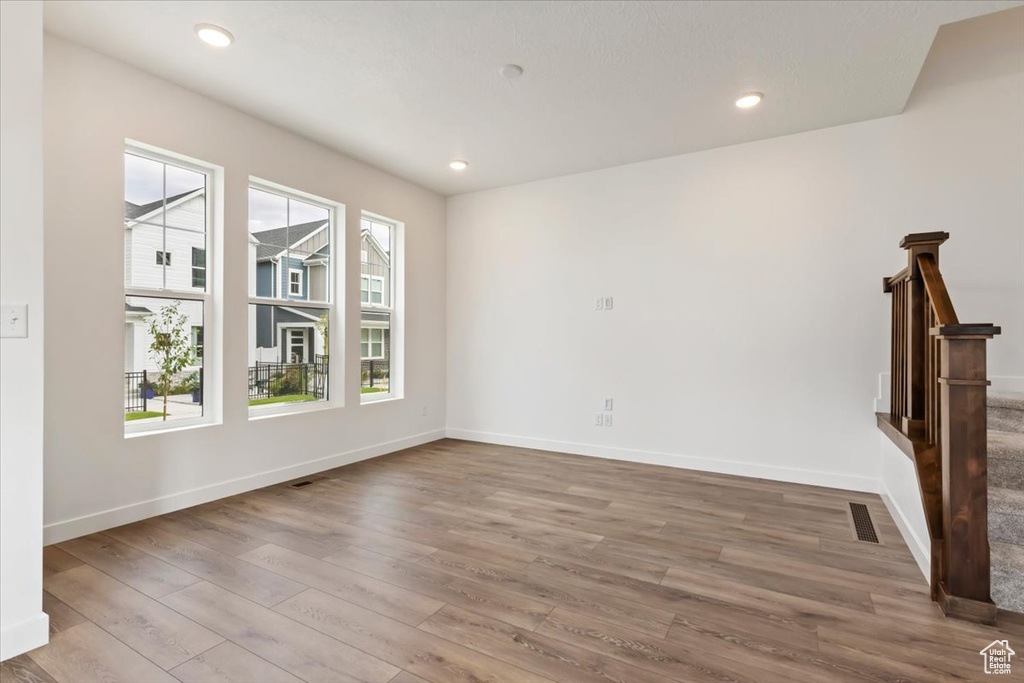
column 375, row 374
column 270, row 380
column 135, row 388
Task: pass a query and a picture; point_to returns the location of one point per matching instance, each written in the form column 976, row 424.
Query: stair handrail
column 937, row 416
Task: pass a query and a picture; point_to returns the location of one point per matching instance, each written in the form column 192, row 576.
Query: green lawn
column 292, row 398
column 128, row 417
column 372, row 390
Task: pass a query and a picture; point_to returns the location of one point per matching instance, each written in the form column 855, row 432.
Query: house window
column 372, row 343
column 291, row 298
column 381, row 315
column 197, row 341
column 166, row 210
column 198, row 267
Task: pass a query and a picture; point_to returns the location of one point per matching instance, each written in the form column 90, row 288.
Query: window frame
column 296, row 271
column 334, row 304
column 209, row 296
column 395, row 309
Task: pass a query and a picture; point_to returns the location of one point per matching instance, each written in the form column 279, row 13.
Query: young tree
column 171, row 347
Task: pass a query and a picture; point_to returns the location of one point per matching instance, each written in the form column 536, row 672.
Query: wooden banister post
column 917, row 325
column 964, row 586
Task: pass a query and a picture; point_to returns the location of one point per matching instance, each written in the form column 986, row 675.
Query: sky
column 144, row 180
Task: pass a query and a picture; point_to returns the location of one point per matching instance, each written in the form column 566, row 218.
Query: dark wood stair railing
column 938, row 418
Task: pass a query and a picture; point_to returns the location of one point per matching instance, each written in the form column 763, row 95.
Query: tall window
column 291, row 303
column 377, row 280
column 166, row 212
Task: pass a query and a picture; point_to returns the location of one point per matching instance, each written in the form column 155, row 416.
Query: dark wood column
column 964, row 589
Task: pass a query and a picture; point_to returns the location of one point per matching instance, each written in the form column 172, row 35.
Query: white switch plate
column 608, row 404
column 598, row 419
column 14, row 320
column 607, row 419
column 608, row 302
column 598, row 303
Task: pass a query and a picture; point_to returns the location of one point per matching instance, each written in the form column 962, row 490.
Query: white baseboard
column 834, row 480
column 918, row 547
column 24, row 636
column 107, row 519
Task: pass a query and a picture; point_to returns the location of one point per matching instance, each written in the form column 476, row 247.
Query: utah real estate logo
column 997, row 657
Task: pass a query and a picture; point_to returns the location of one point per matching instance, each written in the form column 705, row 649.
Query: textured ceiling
column 408, row 86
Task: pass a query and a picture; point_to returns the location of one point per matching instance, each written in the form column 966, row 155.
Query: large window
column 166, row 212
column 378, row 319
column 291, row 302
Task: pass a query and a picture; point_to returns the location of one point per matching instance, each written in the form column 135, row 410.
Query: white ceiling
column 408, row 86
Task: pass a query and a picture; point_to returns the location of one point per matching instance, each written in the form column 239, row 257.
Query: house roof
column 373, row 242
column 318, row 255
column 128, row 308
column 275, row 240
column 133, row 211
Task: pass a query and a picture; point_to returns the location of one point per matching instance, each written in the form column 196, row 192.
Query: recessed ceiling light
column 214, row 36
column 459, row 165
column 511, row 71
column 749, row 99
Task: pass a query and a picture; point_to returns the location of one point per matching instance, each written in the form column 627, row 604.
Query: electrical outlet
column 598, row 419
column 598, row 303
column 607, row 419
column 14, row 320
column 608, row 404
column 608, row 303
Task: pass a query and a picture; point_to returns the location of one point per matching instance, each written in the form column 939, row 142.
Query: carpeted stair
column 1006, row 498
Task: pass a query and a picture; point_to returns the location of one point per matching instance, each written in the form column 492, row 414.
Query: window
column 197, row 341
column 295, row 283
column 291, row 299
column 379, row 316
column 372, row 344
column 166, row 209
column 198, row 267
column 371, row 289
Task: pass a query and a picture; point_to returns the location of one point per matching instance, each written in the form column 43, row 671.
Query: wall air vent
column 862, row 524
column 300, row 484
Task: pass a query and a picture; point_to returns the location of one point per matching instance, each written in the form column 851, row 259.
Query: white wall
column 23, row 625
column 749, row 327
column 94, row 477
column 899, row 489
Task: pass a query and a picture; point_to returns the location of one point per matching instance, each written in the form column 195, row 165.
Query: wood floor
column 466, row 562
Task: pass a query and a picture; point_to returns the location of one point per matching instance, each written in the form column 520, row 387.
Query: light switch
column 14, row 320
column 608, row 303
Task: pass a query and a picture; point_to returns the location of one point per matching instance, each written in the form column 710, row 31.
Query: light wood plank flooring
column 466, row 562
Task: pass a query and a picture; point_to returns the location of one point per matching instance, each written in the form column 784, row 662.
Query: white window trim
column 335, row 306
column 210, row 297
column 396, row 308
column 295, row 271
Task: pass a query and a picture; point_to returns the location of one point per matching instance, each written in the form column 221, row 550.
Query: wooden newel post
column 964, row 585
column 917, row 325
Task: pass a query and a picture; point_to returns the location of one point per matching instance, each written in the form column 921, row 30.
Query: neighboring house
column 374, row 290
column 290, row 263
column 152, row 254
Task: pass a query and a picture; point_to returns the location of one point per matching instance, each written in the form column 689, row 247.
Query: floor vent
column 300, row 484
column 862, row 524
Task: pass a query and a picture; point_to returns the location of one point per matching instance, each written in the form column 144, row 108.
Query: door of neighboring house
column 297, row 344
